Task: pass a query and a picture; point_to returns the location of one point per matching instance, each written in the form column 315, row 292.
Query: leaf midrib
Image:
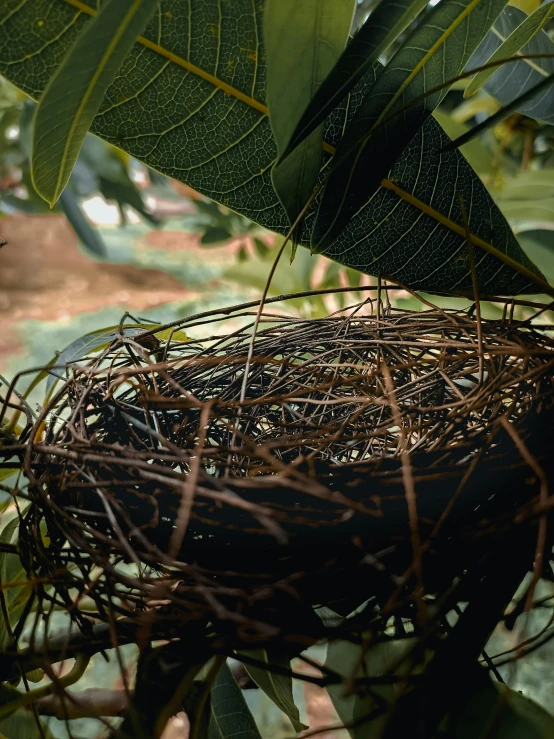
column 198, row 71
column 386, row 183
column 212, row 79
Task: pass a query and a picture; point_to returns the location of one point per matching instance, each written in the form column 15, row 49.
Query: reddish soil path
column 44, row 276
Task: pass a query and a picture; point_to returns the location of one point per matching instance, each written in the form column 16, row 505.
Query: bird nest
column 349, row 459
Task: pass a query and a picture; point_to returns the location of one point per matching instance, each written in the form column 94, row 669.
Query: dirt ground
column 45, row 276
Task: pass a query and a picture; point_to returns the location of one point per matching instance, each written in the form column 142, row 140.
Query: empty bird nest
column 358, row 457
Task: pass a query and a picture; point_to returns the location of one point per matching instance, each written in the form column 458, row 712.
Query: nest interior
column 362, row 457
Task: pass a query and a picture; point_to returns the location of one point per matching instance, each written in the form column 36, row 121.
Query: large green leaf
column 516, row 78
column 230, row 715
column 396, row 108
column 75, row 93
column 13, row 578
column 277, row 687
column 384, row 25
column 303, row 41
column 6, row 472
column 519, row 37
column 347, row 659
column 20, row 724
column 517, row 104
column 476, row 152
column 190, row 101
column 90, row 343
column 491, row 710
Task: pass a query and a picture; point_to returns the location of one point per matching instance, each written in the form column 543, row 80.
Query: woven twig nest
column 370, row 456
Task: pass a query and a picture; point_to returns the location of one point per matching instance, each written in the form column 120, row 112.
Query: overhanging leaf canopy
column 190, row 101
column 384, row 25
column 512, row 80
column 398, row 106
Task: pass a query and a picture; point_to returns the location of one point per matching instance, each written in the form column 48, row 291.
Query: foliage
column 78, row 87
column 529, row 30
column 229, row 712
column 277, row 687
column 234, row 164
column 264, row 116
column 100, row 169
column 20, row 723
column 517, row 33
column 293, row 80
column 490, row 709
column 16, row 588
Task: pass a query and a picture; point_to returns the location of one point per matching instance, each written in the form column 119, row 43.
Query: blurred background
column 123, row 239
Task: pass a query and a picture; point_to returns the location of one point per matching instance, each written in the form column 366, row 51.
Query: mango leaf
column 395, row 110
column 538, row 243
column 74, row 95
column 95, row 341
column 344, row 657
column 20, row 723
column 215, row 136
column 529, row 198
column 230, row 715
column 276, row 687
column 197, row 707
column 530, row 185
column 516, row 78
column 12, row 571
column 476, row 152
column 521, row 36
column 384, row 25
column 495, row 711
column 303, row 41
column 215, row 235
column 87, row 235
column 90, row 343
column 6, row 472
column 515, row 105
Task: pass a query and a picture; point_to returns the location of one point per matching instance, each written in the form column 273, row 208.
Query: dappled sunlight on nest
column 367, row 459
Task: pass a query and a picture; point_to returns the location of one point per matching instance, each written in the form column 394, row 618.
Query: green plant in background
column 280, row 120
column 100, row 168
